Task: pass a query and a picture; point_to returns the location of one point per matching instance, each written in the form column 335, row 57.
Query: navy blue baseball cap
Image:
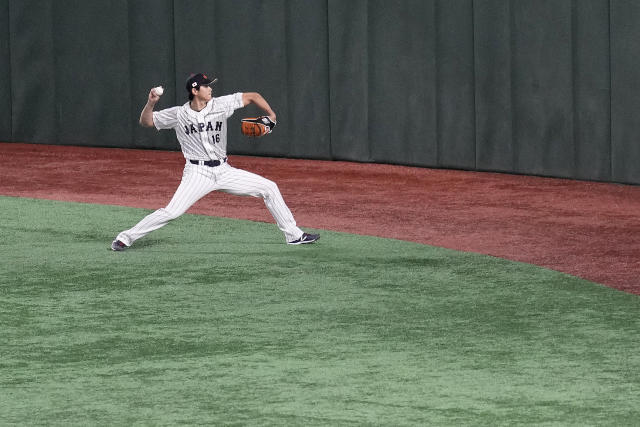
column 197, row 80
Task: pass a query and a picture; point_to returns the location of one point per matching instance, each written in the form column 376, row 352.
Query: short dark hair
column 191, row 93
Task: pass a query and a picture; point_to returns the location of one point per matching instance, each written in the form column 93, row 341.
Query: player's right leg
column 244, row 183
column 195, row 184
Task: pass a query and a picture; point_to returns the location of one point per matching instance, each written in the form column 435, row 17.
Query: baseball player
column 201, row 128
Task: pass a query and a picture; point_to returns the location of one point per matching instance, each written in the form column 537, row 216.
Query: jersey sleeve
column 230, row 103
column 166, row 119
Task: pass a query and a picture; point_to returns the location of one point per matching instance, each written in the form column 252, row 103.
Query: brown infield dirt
column 586, row 229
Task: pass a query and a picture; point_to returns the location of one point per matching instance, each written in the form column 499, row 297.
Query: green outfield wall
column 544, row 87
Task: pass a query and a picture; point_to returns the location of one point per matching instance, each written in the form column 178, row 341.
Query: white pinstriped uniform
column 203, row 136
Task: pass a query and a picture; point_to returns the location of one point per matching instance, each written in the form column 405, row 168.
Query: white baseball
column 158, row 90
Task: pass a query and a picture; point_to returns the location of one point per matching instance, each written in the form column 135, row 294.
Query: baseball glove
column 257, row 126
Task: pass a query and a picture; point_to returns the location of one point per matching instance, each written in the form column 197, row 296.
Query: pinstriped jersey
column 202, row 134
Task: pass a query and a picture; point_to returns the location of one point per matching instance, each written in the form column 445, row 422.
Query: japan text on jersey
column 202, row 127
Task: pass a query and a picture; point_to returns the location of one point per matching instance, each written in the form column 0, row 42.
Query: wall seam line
column 9, row 39
column 610, row 172
column 574, row 90
column 331, row 154
column 475, row 86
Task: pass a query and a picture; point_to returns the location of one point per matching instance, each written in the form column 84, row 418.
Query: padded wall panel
column 402, row 108
column 625, row 86
column 34, row 92
column 92, row 75
column 494, row 119
column 196, row 42
column 307, row 119
column 151, row 51
column 455, row 84
column 349, row 57
column 543, row 87
column 5, row 73
column 592, row 95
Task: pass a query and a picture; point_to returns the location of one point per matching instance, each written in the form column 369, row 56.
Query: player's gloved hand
column 257, row 126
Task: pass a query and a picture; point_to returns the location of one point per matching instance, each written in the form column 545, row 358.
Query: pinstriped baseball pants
column 198, row 181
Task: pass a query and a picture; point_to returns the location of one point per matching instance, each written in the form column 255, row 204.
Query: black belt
column 210, row 163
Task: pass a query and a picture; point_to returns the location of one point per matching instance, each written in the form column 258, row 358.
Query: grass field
column 217, row 321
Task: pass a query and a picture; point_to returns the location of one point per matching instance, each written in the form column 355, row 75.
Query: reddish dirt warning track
column 586, row 229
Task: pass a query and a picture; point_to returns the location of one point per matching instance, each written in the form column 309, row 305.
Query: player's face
column 204, row 93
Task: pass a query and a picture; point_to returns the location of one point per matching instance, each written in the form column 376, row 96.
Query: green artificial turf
column 214, row 321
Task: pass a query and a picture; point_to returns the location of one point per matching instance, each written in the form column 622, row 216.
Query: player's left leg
column 197, row 181
column 242, row 183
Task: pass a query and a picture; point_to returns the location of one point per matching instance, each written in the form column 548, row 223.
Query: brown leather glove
column 257, row 126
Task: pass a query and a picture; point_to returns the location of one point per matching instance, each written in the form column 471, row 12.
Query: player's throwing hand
column 153, row 96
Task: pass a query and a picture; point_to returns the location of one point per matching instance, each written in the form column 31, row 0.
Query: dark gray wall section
column 92, row 73
column 307, row 117
column 402, row 96
column 625, row 87
column 349, row 79
column 151, row 63
column 542, row 87
column 591, row 100
column 455, row 84
column 5, row 73
column 32, row 62
column 545, row 87
column 493, row 96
